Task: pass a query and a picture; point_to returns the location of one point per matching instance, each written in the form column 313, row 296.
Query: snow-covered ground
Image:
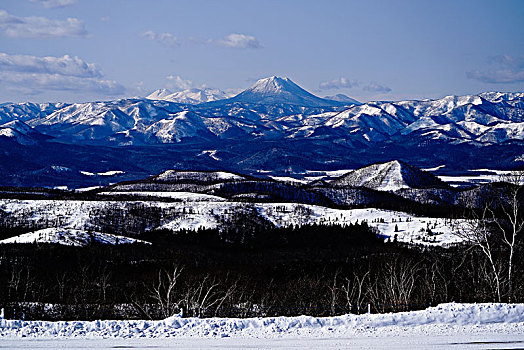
column 183, row 196
column 195, row 214
column 400, row 341
column 71, row 237
column 450, row 325
column 490, row 175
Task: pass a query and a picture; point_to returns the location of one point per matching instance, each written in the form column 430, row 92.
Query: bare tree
column 395, row 284
column 476, row 231
column 353, row 290
column 333, row 288
column 203, row 295
column 511, row 221
column 103, row 282
column 498, row 215
column 61, row 281
column 163, row 291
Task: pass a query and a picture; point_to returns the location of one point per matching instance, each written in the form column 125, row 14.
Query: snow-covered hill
column 71, row 237
column 194, row 212
column 390, row 176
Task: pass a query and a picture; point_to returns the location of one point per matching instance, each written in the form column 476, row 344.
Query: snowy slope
column 189, row 96
column 390, row 176
column 193, row 213
column 71, row 237
column 21, row 132
column 452, row 318
column 277, row 90
column 276, row 108
column 342, row 98
column 182, row 196
column 203, row 176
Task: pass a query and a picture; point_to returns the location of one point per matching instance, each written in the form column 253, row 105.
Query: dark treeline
column 242, row 272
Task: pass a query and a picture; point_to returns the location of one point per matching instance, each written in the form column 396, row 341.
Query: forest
column 314, row 270
column 248, row 266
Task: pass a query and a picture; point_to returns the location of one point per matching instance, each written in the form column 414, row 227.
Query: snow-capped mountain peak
column 189, row 96
column 273, row 85
column 159, row 94
column 278, row 90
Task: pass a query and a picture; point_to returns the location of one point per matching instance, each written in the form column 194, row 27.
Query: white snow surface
column 111, row 173
column 71, row 237
column 172, row 175
column 183, row 196
column 206, row 214
column 451, row 318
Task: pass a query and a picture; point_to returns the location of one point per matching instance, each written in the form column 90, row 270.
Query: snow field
column 451, row 318
column 184, row 196
column 71, row 237
column 206, row 214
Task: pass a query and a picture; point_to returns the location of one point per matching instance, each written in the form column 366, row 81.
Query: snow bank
column 500, row 317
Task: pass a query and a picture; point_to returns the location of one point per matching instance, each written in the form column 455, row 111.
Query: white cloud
column 241, row 41
column 40, row 27
column 507, row 69
column 337, row 84
column 55, row 3
column 32, row 75
column 163, row 38
column 176, row 82
column 374, row 87
column 65, row 65
column 347, row 83
column 35, row 83
column 233, row 40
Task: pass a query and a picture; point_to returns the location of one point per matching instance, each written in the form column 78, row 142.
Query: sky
column 87, row 50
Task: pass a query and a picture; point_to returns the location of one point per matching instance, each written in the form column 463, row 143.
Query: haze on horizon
column 79, row 50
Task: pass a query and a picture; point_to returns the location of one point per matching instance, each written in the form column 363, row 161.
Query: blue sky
column 82, row 50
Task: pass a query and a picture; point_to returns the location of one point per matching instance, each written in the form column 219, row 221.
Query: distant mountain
column 160, row 94
column 390, row 176
column 189, row 96
column 342, row 98
column 145, row 136
column 21, row 133
column 196, row 176
column 277, row 90
column 27, row 110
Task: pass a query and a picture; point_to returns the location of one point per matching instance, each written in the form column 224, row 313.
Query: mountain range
column 275, row 125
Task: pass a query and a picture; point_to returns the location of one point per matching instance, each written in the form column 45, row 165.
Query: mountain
column 160, row 94
column 21, row 133
column 276, row 90
column 27, row 110
column 189, row 96
column 390, row 176
column 145, row 136
column 342, row 98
